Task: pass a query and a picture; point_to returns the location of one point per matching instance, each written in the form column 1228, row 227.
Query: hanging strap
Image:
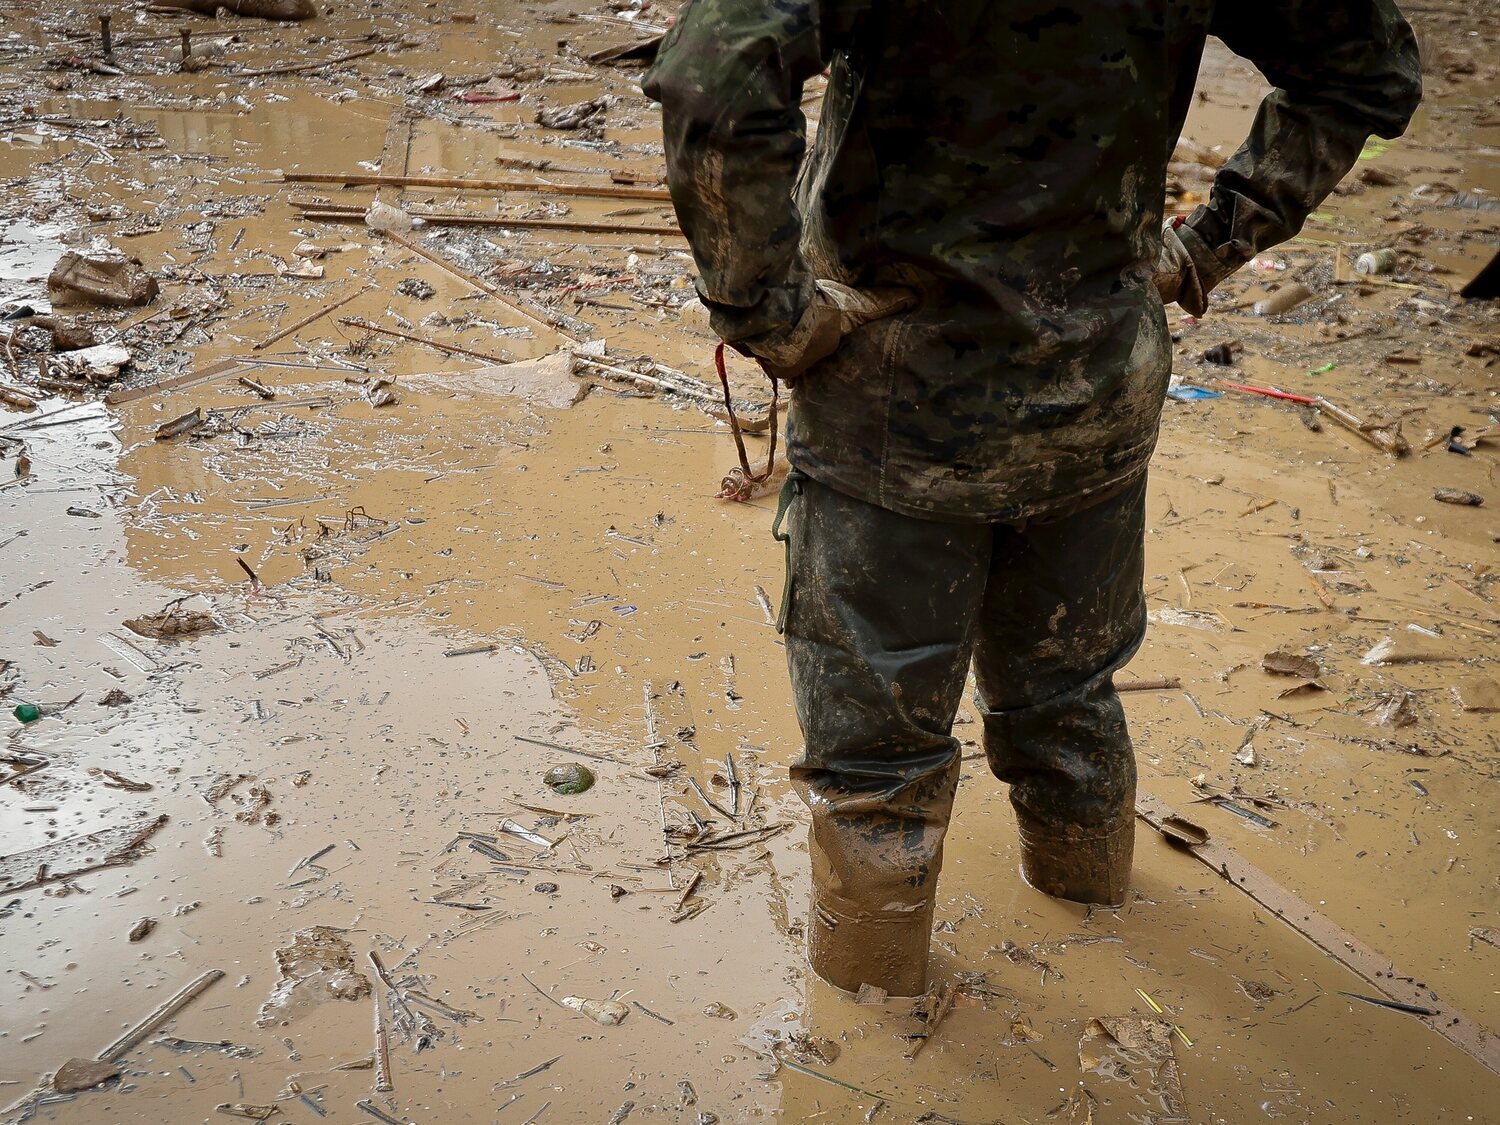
column 734, row 422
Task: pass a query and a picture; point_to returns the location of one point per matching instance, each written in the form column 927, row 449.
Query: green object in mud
column 28, row 712
column 569, row 780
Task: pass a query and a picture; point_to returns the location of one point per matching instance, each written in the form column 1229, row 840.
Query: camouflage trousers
column 884, row 615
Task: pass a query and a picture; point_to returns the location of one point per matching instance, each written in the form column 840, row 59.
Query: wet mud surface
column 458, row 591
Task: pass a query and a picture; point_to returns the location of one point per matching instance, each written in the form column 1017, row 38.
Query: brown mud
column 446, row 585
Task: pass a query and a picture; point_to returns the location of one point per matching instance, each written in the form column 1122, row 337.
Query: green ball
column 28, row 712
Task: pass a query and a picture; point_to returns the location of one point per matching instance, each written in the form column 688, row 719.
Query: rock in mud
column 100, row 278
column 1280, row 663
column 1458, row 496
column 318, row 965
column 569, row 780
column 82, row 1074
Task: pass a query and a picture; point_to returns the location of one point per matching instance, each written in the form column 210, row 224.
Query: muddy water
column 625, row 610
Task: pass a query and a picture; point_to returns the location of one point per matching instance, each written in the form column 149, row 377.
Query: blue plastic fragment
column 1187, row 393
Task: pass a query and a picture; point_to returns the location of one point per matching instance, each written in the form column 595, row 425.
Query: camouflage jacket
column 1006, row 161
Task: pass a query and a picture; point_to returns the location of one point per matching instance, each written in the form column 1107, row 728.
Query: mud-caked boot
column 883, row 949
column 1082, row 863
column 863, row 931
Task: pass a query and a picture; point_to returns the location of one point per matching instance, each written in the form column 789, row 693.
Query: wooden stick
column 1167, row 684
column 1383, row 441
column 451, row 349
column 453, row 219
column 137, row 1034
column 296, row 68
column 382, row 1052
column 305, row 321
column 596, row 191
column 482, row 286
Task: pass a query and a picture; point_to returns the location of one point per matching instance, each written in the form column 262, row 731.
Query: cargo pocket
column 789, row 491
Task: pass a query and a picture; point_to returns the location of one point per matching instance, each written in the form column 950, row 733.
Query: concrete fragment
column 100, row 278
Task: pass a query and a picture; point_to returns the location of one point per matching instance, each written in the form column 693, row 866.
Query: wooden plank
column 1376, row 970
column 221, row 370
column 360, row 179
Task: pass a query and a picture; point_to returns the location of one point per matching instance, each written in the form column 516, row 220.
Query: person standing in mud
column 964, row 287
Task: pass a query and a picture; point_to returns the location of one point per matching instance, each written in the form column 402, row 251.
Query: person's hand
column 1177, row 277
column 835, row 311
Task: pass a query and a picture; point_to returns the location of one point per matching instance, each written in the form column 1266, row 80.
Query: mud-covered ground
column 460, row 590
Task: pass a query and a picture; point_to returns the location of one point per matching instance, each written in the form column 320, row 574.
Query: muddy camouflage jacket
column 1007, row 161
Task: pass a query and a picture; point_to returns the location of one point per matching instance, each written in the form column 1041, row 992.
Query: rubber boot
column 1089, row 864
column 888, row 952
column 879, row 941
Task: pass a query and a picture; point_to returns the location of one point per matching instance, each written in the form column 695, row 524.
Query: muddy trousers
column 884, row 615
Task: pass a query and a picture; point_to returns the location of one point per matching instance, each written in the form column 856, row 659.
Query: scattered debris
column 1291, row 664
column 75, row 856
column 582, row 115
column 416, row 288
column 101, row 278
column 174, row 622
column 1134, row 1045
column 318, row 965
column 932, row 1009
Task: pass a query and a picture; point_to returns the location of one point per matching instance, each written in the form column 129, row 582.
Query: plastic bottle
column 1283, row 300
column 605, row 1012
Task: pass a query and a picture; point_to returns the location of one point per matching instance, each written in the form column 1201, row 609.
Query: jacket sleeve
column 729, row 78
column 1343, row 70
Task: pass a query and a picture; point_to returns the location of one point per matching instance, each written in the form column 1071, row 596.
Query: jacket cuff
column 1213, row 259
column 777, row 312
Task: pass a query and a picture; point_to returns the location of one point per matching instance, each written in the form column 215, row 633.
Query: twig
column 297, row 68
column 687, row 891
column 456, row 219
column 734, row 785
column 811, row 1073
column 1165, row 684
column 647, row 1011
column 745, row 839
column 544, row 995
column 709, row 801
column 600, row 191
column 305, row 321
column 569, row 750
column 525, row 1074
column 482, row 286
column 451, row 349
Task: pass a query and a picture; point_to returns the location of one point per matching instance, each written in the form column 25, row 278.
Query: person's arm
column 1343, row 70
column 729, row 77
